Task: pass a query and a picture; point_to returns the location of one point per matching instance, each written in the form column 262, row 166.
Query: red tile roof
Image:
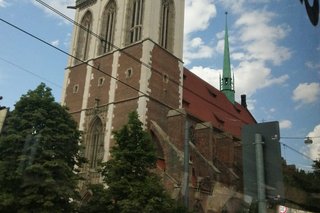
column 208, row 104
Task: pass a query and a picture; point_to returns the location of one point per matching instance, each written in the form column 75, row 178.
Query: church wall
column 164, row 86
column 100, row 81
column 125, row 64
column 73, row 99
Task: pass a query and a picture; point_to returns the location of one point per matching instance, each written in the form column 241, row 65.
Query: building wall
column 147, row 78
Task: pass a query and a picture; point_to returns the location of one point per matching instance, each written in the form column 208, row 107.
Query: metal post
column 262, row 207
column 185, row 184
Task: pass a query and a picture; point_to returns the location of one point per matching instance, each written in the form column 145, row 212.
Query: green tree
column 39, row 151
column 132, row 185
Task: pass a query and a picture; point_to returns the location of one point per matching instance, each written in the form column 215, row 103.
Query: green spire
column 226, row 83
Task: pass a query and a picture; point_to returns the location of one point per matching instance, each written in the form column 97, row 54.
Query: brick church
column 128, row 56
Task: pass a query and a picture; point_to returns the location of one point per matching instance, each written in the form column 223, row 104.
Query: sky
column 275, row 58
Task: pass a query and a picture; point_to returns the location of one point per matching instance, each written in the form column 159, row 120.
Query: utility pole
column 261, row 190
column 185, row 184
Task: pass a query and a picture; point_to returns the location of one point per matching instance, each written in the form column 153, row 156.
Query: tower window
column 135, row 31
column 129, row 73
column 107, row 29
column 167, row 23
column 101, row 81
column 95, row 146
column 75, row 88
column 165, row 78
column 84, row 35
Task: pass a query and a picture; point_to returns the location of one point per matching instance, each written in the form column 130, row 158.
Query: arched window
column 167, row 24
column 107, row 28
column 95, row 144
column 135, row 29
column 84, row 35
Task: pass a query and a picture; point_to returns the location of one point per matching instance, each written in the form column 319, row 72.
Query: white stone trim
column 147, row 47
column 66, row 82
column 86, row 96
column 110, row 115
column 178, row 29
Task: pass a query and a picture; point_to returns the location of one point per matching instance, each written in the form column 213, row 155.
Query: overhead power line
column 299, row 138
column 129, row 55
column 125, row 53
column 30, row 72
column 298, row 152
column 96, row 68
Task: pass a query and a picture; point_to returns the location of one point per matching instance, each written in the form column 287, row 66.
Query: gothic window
column 95, row 144
column 107, row 28
column 84, row 35
column 135, row 29
column 167, row 23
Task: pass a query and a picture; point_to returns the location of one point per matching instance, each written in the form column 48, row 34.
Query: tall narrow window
column 84, row 35
column 135, row 31
column 95, row 144
column 107, row 29
column 167, row 23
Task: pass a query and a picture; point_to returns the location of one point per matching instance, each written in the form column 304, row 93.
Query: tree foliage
column 39, row 149
column 303, row 188
column 132, row 186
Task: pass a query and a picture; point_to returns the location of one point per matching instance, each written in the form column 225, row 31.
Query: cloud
column 199, row 13
column 253, row 75
column 260, row 37
column 314, row 148
column 212, row 76
column 255, row 46
column 208, row 74
column 196, row 49
column 285, row 124
column 55, row 43
column 60, row 5
column 3, row 3
column 312, row 65
column 306, row 93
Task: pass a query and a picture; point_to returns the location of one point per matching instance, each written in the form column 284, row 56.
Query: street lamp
column 308, row 141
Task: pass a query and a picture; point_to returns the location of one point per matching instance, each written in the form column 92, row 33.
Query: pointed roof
column 227, row 82
column 226, row 56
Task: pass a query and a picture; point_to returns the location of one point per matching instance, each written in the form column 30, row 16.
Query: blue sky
column 275, row 54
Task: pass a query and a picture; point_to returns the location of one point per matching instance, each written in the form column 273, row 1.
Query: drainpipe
column 260, row 174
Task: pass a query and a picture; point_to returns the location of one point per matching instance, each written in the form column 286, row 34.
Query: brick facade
column 151, row 80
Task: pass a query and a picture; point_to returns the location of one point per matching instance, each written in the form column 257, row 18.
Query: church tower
column 127, row 56
column 227, row 82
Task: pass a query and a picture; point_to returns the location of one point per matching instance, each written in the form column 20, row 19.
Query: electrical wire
column 299, row 138
column 70, row 55
column 127, row 54
column 97, row 68
column 30, row 72
column 293, row 149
